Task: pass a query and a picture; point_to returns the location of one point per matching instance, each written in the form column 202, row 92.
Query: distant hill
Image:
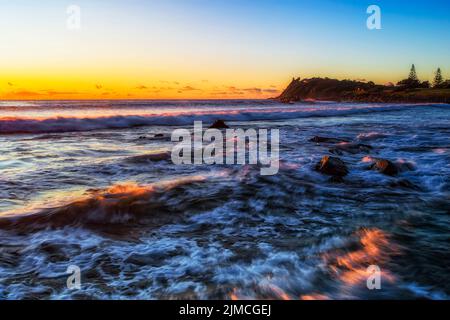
column 357, row 91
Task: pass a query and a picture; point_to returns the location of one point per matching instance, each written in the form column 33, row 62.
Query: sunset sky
column 181, row 49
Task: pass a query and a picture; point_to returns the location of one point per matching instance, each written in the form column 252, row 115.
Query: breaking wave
column 12, row 125
column 121, row 203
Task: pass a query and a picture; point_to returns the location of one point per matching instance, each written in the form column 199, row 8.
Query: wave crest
column 119, row 204
column 14, row 125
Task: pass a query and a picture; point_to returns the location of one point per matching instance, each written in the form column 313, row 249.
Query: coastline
column 356, row 91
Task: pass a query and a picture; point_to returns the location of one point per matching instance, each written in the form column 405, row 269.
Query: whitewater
column 84, row 183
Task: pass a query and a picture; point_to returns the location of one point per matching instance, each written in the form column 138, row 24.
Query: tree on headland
column 413, row 74
column 412, row 81
column 438, row 78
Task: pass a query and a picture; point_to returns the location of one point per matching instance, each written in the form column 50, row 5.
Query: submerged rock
column 318, row 139
column 219, row 124
column 403, row 183
column 352, row 148
column 336, row 179
column 385, row 167
column 405, row 166
column 150, row 157
column 332, row 166
column 153, row 137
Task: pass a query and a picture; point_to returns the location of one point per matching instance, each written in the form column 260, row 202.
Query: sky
column 215, row 49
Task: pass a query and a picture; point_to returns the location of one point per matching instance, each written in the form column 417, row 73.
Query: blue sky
column 227, row 42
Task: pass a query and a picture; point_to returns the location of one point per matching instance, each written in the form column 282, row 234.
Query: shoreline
column 356, row 91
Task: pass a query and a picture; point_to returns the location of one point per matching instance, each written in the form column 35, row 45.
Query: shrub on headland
column 444, row 85
column 413, row 81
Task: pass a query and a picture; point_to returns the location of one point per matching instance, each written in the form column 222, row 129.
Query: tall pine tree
column 413, row 74
column 438, row 78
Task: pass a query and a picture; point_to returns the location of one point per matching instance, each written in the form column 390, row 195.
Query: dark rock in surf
column 157, row 136
column 219, row 124
column 332, row 166
column 318, row 139
column 150, row 157
column 385, row 167
column 352, row 148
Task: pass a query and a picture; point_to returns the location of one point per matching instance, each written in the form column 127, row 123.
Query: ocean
column 78, row 188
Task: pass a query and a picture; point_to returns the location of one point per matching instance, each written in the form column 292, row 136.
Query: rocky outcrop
column 332, row 166
column 341, row 146
column 385, row 167
column 323, row 89
column 157, row 136
column 219, row 124
column 319, row 139
column 358, row 91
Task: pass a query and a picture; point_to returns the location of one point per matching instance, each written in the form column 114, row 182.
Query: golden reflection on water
column 349, row 269
column 376, row 249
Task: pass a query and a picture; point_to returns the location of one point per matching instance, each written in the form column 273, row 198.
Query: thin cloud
column 168, row 82
column 56, row 93
column 270, row 90
column 25, row 93
column 189, row 88
column 260, row 90
column 253, row 90
column 231, row 91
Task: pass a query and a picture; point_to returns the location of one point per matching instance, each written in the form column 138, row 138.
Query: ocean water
column 77, row 188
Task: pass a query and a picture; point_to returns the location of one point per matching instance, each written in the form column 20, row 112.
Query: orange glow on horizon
column 105, row 86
